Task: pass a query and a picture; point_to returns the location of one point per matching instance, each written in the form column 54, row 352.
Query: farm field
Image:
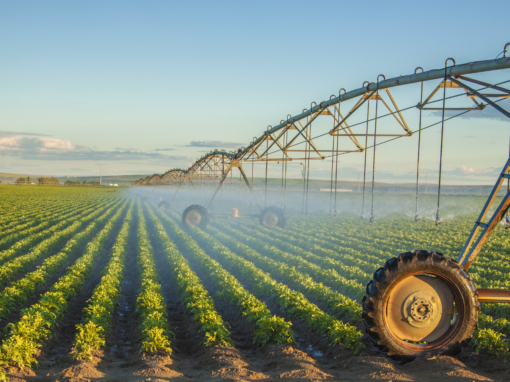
column 100, row 284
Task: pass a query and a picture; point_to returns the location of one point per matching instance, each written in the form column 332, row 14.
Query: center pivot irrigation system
column 419, row 303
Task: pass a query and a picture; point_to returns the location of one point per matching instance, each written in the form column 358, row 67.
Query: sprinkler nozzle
column 372, row 218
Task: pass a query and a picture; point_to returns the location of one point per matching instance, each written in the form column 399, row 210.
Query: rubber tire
column 282, row 218
column 201, row 210
column 394, row 270
column 163, row 205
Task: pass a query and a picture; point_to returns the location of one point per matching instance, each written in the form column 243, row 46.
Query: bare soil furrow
column 186, row 341
column 122, row 345
column 56, row 351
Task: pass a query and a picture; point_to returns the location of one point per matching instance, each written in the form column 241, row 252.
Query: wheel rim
column 423, row 312
column 193, row 218
column 270, row 219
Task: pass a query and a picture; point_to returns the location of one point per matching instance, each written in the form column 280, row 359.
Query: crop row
column 16, row 266
column 23, row 244
column 44, row 223
column 18, row 214
column 267, row 328
column 150, row 303
column 18, row 292
column 333, row 261
column 331, row 247
column 46, row 214
column 39, row 320
column 337, row 303
column 291, row 302
column 192, row 293
column 97, row 315
column 327, row 276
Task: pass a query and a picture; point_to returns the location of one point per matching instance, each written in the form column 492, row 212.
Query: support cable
column 336, row 174
column 252, row 185
column 332, row 168
column 438, row 219
column 304, row 172
column 286, row 139
column 283, row 167
column 308, row 166
column 231, row 182
column 416, row 215
column 372, row 217
column 240, row 185
column 267, row 163
column 365, row 164
column 336, row 153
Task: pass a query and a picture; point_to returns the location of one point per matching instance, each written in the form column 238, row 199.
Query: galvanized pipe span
column 434, row 74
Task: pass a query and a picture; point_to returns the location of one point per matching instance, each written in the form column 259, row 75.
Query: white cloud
column 23, row 133
column 60, row 149
column 465, row 170
column 12, row 142
column 217, row 144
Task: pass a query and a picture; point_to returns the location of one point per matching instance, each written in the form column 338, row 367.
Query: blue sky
column 141, row 87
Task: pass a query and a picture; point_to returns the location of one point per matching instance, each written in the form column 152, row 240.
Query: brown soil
column 272, row 363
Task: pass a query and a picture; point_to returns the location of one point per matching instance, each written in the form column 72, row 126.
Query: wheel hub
column 193, row 218
column 420, row 308
column 270, row 219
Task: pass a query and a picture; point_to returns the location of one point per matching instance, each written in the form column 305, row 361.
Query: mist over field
column 319, row 202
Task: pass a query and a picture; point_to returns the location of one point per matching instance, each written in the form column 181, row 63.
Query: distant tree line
column 54, row 181
column 45, row 180
column 26, row 180
column 78, row 183
column 42, row 180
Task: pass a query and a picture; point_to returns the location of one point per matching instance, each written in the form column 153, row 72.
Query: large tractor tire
column 272, row 216
column 195, row 215
column 419, row 305
column 163, row 205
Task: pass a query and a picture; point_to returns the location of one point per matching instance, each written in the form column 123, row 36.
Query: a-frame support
column 232, row 164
